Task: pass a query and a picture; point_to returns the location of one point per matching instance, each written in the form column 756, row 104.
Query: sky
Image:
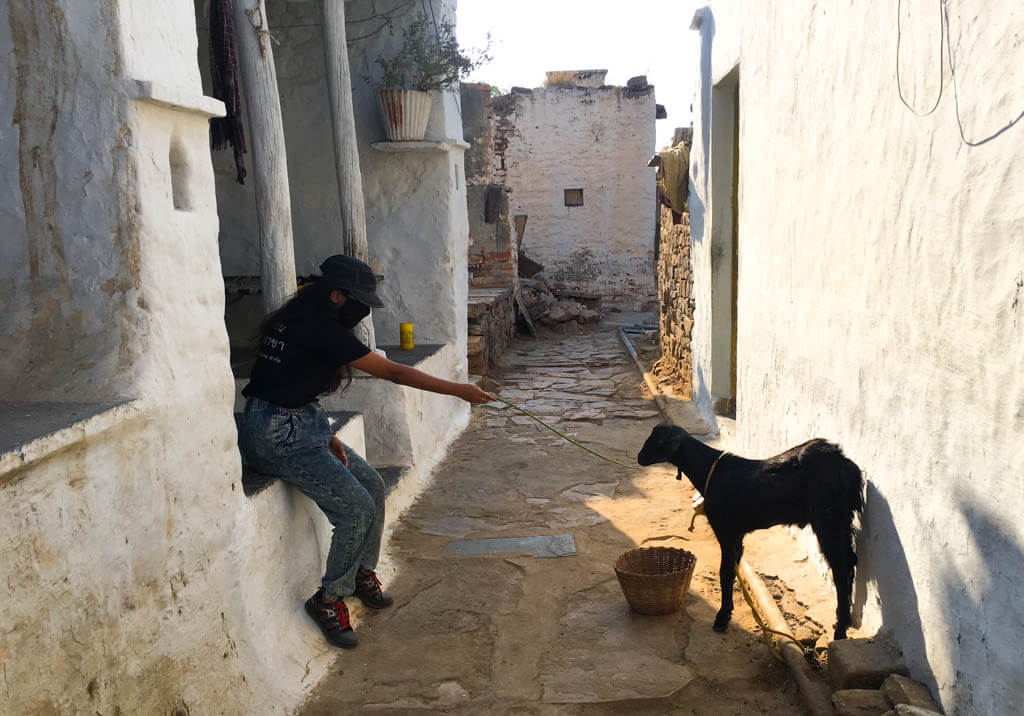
column 642, row 37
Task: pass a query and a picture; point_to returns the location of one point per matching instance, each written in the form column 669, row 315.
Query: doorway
column 725, row 193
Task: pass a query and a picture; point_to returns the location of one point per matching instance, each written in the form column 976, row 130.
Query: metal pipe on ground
column 659, row 400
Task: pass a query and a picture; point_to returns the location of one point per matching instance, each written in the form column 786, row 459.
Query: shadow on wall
column 986, row 619
column 985, row 622
column 882, row 560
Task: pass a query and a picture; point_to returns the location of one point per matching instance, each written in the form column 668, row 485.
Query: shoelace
column 370, row 583
column 336, row 610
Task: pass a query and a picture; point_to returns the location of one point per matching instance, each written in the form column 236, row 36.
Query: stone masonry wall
column 597, row 140
column 675, row 301
column 491, row 314
column 493, row 257
column 493, row 253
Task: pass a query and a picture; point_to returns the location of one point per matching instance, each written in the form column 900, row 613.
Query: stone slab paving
column 500, row 633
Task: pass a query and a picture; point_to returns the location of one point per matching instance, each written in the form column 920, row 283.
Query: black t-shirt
column 297, row 361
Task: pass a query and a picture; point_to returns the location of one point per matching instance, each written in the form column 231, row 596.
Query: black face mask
column 352, row 312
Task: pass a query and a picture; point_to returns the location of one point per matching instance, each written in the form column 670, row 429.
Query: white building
column 136, row 575
column 859, row 276
column 574, row 154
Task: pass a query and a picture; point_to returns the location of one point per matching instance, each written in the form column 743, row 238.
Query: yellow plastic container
column 405, row 329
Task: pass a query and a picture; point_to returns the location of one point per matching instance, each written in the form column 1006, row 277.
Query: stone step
column 860, row 702
column 862, row 663
column 903, row 690
column 392, row 475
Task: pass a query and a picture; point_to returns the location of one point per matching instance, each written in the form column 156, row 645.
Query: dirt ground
column 508, row 632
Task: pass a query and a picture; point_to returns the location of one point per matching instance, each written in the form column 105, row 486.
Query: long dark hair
column 312, row 300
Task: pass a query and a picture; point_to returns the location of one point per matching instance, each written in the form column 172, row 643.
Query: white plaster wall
column 68, row 262
column 417, row 228
column 599, row 140
column 138, row 578
column 416, row 221
column 881, row 303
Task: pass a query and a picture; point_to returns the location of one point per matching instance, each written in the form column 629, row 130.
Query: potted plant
column 429, row 61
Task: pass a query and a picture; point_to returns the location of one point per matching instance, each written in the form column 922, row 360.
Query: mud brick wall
column 492, row 321
column 675, row 292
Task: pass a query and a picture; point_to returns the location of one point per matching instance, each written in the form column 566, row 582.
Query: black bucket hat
column 352, row 277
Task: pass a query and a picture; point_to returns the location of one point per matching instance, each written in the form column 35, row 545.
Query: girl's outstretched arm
column 380, row 367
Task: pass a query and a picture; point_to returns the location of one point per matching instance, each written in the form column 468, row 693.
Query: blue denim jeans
column 291, row 444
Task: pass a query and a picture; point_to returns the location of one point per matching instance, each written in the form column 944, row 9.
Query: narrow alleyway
column 514, row 633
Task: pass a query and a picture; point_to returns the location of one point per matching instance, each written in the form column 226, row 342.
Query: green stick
column 565, row 437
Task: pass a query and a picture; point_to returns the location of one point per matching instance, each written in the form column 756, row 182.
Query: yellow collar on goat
column 711, row 472
column 698, row 500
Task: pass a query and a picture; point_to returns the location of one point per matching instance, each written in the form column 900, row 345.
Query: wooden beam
column 269, row 159
column 346, row 150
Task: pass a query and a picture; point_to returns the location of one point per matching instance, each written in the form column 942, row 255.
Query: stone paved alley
column 512, row 633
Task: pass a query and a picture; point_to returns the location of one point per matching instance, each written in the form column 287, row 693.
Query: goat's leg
column 836, row 542
column 732, row 547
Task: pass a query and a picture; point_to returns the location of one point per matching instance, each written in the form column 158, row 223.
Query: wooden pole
column 346, row 151
column 816, row 695
column 269, row 163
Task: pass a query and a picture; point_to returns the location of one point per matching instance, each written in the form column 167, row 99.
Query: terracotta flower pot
column 404, row 114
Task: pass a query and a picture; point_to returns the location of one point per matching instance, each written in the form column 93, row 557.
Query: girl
column 306, row 349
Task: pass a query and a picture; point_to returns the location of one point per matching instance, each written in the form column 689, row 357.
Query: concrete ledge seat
column 254, row 482
column 417, row 355
column 393, row 475
column 32, row 431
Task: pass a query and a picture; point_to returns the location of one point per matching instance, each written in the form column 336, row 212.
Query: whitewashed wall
column 599, row 140
column 417, row 227
column 65, row 276
column 881, row 301
column 137, row 578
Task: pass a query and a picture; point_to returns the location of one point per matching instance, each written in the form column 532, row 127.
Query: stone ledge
column 417, row 355
column 173, row 98
column 254, row 482
column 33, row 431
column 450, row 145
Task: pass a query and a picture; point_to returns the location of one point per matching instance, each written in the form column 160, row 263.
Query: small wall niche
column 574, row 197
column 181, row 193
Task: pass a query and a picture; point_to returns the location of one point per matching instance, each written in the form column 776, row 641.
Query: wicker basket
column 655, row 580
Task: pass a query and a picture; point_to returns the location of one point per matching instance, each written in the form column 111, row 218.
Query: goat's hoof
column 840, row 634
column 721, row 623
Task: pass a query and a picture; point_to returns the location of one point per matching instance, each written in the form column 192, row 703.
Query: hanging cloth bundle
column 224, row 73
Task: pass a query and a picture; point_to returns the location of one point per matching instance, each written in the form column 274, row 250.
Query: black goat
column 812, row 483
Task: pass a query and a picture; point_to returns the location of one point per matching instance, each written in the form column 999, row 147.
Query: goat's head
column 661, row 444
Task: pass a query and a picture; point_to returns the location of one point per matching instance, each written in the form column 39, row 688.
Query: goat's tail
column 845, row 480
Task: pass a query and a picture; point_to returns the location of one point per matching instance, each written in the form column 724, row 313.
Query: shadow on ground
column 517, row 634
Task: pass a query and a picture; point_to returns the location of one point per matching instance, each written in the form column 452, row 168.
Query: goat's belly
column 763, row 519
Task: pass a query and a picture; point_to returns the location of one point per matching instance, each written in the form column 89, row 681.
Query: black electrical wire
column 956, row 97
column 899, row 37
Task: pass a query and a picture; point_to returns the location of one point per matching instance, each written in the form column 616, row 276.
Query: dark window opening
column 574, row 197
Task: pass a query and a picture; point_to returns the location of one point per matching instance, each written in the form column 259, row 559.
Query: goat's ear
column 673, row 438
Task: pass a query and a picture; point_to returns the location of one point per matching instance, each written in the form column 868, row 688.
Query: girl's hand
column 473, row 393
column 337, row 449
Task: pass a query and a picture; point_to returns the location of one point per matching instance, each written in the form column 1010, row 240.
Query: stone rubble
column 548, row 310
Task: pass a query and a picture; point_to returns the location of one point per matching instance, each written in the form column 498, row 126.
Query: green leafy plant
column 430, row 58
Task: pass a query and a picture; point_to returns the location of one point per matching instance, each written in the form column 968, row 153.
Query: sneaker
column 369, row 592
column 332, row 618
